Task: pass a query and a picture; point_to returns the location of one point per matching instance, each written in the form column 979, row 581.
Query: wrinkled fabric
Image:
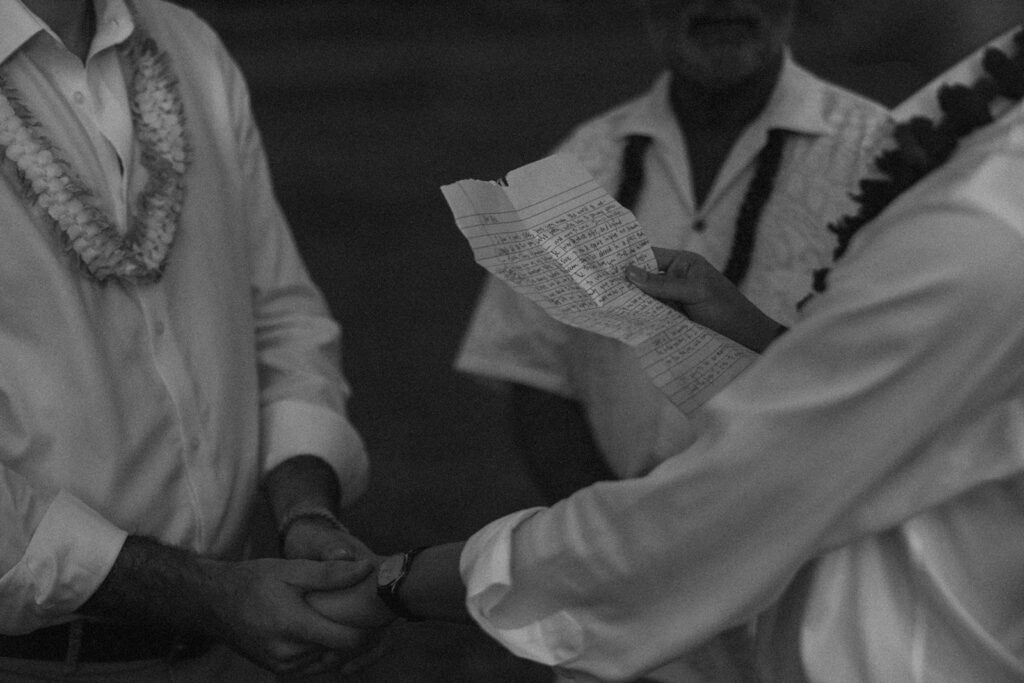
column 881, row 439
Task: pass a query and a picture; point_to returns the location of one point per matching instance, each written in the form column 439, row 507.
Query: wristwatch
column 390, row 575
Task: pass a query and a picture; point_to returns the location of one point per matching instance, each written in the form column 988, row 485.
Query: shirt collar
column 19, row 25
column 113, row 25
column 797, row 104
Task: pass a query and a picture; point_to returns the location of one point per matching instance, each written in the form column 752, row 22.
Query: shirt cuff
column 293, row 428
column 68, row 557
column 486, row 566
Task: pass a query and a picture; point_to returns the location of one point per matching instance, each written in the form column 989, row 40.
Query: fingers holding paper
column 694, row 287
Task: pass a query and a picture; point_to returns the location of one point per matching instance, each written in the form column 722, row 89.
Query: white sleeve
column 54, row 553
column 303, row 394
column 848, row 425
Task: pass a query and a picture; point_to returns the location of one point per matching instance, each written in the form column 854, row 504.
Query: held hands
column 356, row 605
column 358, row 608
column 259, row 608
column 311, row 538
column 303, row 493
column 692, row 286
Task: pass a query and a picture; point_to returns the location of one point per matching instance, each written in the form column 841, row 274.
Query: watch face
column 390, row 569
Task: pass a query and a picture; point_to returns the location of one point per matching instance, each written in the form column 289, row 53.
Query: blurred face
column 719, row 43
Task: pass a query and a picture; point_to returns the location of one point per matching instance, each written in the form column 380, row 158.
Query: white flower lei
column 159, row 123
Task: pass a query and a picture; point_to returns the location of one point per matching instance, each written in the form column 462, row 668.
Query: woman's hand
column 692, row 286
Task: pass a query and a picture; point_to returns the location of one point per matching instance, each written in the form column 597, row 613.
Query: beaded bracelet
column 307, row 512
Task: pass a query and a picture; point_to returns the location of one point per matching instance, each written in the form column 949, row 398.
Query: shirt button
column 699, row 225
column 193, row 443
column 158, row 328
column 79, row 97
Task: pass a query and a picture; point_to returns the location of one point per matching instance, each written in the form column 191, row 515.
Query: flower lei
column 159, row 123
column 923, row 145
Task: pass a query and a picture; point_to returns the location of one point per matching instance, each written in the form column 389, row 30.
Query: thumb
column 662, row 285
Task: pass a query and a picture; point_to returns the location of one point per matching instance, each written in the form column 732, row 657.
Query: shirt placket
column 106, row 123
column 108, row 101
column 169, row 362
column 99, row 95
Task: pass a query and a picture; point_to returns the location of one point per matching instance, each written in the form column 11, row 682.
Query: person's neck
column 71, row 20
column 699, row 107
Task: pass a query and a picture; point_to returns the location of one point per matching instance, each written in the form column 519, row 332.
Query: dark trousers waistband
column 93, row 641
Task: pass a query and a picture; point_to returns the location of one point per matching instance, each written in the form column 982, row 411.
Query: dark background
column 367, row 108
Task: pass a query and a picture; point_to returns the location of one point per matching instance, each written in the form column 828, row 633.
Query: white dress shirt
column 634, row 424
column 883, row 434
column 149, row 409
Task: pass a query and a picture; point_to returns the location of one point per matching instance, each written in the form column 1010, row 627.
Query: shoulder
column 206, row 72
column 963, row 222
column 171, row 16
column 844, row 108
column 598, row 141
column 181, row 31
column 853, row 129
column 607, row 124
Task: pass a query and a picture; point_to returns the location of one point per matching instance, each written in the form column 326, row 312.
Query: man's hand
column 359, row 608
column 256, row 607
column 307, row 483
column 692, row 286
column 314, row 538
column 357, row 605
column 259, row 608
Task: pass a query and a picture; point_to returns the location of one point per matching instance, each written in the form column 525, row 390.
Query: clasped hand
column 313, row 611
column 355, row 606
column 694, row 287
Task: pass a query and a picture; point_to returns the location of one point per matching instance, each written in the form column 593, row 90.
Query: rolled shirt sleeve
column 293, row 427
column 64, row 548
column 856, row 420
column 302, row 391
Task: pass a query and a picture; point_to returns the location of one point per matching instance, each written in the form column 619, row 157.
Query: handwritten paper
column 553, row 234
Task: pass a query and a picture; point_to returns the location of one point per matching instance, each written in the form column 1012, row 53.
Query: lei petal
column 922, row 145
column 158, row 120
